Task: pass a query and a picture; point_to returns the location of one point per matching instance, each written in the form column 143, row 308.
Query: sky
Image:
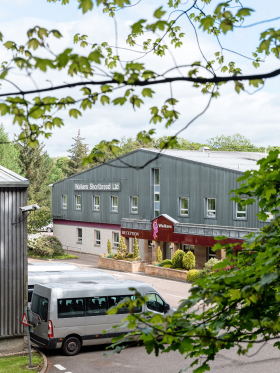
column 254, row 116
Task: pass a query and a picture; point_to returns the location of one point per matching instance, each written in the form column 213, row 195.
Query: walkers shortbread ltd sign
column 105, row 186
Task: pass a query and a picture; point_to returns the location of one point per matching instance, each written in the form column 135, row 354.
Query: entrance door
column 167, row 250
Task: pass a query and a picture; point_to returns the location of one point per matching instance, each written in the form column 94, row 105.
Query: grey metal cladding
column 178, row 178
column 13, row 260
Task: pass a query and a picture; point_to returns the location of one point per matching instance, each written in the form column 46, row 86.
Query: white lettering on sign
column 116, row 186
column 129, row 233
column 165, row 226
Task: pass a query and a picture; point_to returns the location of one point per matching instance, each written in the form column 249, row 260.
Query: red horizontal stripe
column 87, row 224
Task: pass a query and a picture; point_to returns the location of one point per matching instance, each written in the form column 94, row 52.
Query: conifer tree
column 109, row 247
column 159, row 255
column 122, row 246
column 78, row 151
column 136, row 249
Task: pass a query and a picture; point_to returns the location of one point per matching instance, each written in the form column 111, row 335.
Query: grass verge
column 20, row 364
column 64, row 256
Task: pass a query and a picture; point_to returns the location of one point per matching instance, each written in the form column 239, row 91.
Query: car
column 47, row 228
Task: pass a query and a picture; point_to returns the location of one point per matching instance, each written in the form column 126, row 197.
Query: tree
column 122, row 247
column 136, row 249
column 8, row 152
column 159, row 255
column 235, row 142
column 109, row 246
column 78, row 151
column 239, row 301
column 102, row 76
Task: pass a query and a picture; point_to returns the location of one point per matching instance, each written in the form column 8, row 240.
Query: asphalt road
column 136, row 360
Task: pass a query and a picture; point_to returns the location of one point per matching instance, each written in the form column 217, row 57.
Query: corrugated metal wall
column 13, row 260
column 178, row 178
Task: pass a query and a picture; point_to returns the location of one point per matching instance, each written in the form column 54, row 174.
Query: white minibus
column 61, row 276
column 72, row 315
column 36, row 267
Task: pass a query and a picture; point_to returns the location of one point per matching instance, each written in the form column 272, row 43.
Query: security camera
column 29, row 208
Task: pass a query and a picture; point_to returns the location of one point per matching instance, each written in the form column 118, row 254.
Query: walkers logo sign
column 155, row 229
column 107, row 186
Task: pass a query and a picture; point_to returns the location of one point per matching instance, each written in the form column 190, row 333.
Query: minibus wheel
column 71, row 346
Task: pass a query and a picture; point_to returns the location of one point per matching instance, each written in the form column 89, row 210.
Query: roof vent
column 204, row 149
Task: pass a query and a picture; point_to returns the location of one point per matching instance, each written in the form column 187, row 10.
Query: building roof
column 9, row 178
column 237, row 161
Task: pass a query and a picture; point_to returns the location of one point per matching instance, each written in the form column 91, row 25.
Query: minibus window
column 40, row 306
column 155, row 303
column 96, row 306
column 70, row 307
column 30, row 292
column 114, row 300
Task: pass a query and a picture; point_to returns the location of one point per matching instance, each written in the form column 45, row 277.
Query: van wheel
column 71, row 346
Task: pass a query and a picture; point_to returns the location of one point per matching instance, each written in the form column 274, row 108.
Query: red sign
column 24, row 320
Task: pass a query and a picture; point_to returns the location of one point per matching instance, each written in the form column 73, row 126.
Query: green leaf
column 159, row 13
column 106, row 88
column 4, row 73
column 207, row 23
column 147, row 92
column 105, row 99
column 9, row 44
column 226, row 25
column 119, row 101
column 137, row 27
column 74, row 113
column 56, row 34
column 256, row 82
column 121, row 3
column 243, row 12
column 85, row 5
column 42, row 32
column 95, row 56
column 220, row 6
column 33, row 43
column 57, row 122
column 4, row 109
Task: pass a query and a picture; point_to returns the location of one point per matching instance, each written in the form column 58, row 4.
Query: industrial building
column 13, row 260
column 180, row 199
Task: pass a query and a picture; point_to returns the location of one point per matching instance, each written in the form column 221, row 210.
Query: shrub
column 122, row 247
column 118, row 257
column 188, row 260
column 202, row 273
column 157, row 265
column 166, row 261
column 210, row 264
column 109, row 246
column 130, row 255
column 45, row 246
column 192, row 275
column 178, row 258
column 159, row 255
column 136, row 249
column 138, row 259
column 111, row 255
column 167, row 266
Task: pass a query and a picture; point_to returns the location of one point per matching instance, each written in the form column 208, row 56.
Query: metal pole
column 29, row 347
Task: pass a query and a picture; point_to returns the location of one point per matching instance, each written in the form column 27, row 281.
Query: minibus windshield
column 39, row 306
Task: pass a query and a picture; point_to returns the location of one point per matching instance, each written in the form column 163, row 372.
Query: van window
column 96, row 306
column 155, row 303
column 40, row 306
column 74, row 307
column 114, row 300
column 30, row 292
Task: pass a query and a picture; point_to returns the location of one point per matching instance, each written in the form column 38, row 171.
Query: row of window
column 97, row 237
column 210, row 206
column 91, row 306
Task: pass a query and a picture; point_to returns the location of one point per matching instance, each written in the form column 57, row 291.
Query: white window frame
column 133, row 209
column 180, row 206
column 113, row 239
column 156, row 211
column 79, row 238
column 208, row 210
column 64, row 205
column 239, row 212
column 78, row 204
column 114, row 208
column 209, row 254
column 97, row 242
column 94, row 205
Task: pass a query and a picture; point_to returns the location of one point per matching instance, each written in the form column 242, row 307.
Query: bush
column 178, row 258
column 122, row 247
column 188, row 260
column 136, row 249
column 157, row 265
column 118, row 257
column 167, row 266
column 45, row 246
column 159, row 255
column 130, row 255
column 210, row 264
column 109, row 247
column 192, row 275
column 166, row 261
column 111, row 255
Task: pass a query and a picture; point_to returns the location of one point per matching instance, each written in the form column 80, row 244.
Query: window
column 40, row 306
column 97, row 238
column 78, row 202
column 155, row 303
column 96, row 203
column 114, row 204
column 114, row 300
column 30, row 292
column 74, row 307
column 210, row 253
column 241, row 211
column 156, row 192
column 184, row 206
column 79, row 235
column 116, row 239
column 64, row 202
column 96, row 306
column 210, row 207
column 187, row 248
column 134, row 205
